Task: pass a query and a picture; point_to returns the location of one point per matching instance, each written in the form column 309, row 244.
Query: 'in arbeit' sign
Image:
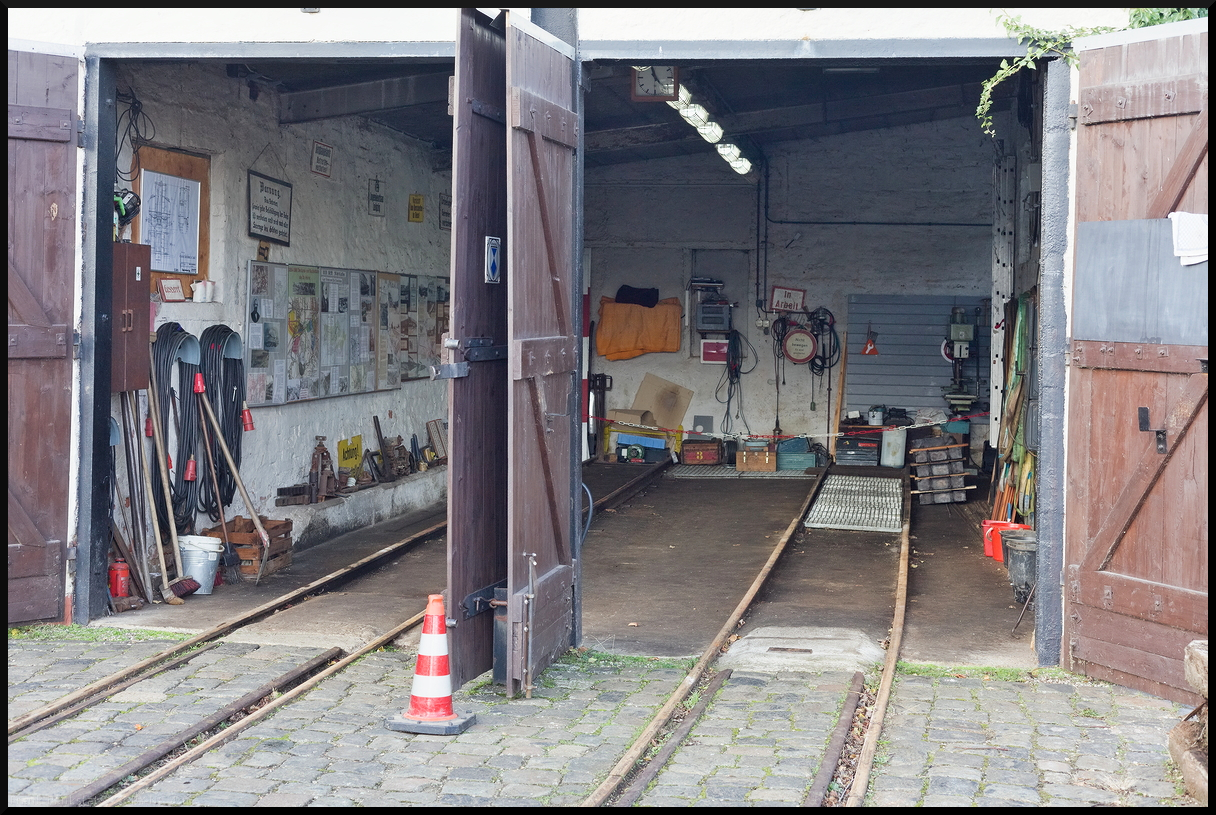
column 784, row 299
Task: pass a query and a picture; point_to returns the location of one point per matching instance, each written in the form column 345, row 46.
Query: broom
column 184, row 585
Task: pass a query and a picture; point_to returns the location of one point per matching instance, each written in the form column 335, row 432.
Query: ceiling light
column 741, row 166
column 729, row 150
column 684, row 101
column 695, row 115
column 711, row 132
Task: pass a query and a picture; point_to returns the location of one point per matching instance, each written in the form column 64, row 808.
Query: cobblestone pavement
column 947, row 742
column 963, row 742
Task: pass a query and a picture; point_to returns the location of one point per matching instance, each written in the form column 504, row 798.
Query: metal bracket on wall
column 1145, row 428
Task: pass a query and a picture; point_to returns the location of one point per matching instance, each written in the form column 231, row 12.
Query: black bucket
column 1021, row 557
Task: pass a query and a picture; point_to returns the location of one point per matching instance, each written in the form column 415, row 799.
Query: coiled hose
column 225, row 382
column 180, row 403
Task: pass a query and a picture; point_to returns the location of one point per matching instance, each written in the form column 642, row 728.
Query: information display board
column 314, row 332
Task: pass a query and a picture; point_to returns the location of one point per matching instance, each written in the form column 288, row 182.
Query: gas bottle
column 120, row 579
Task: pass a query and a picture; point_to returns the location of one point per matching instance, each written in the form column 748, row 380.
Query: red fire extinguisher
column 120, row 579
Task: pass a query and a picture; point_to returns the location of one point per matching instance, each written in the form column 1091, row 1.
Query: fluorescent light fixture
column 741, row 166
column 711, row 132
column 695, row 115
column 729, row 150
column 684, row 101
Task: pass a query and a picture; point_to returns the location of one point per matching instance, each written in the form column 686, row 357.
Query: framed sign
column 787, row 299
column 269, row 209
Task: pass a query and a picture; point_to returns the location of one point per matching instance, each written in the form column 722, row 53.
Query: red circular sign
column 799, row 346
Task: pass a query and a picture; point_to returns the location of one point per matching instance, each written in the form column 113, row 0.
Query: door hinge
column 75, row 345
column 1072, row 116
column 79, row 132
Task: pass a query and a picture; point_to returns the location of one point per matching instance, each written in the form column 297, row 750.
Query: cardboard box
column 667, row 401
column 763, row 461
column 642, row 417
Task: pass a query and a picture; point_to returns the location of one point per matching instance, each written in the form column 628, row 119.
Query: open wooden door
column 477, row 374
column 543, row 349
column 42, row 236
column 1136, row 553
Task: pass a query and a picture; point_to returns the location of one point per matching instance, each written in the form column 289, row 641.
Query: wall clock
column 655, row 83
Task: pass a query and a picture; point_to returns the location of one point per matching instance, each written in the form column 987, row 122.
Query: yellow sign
column 350, row 454
column 416, row 209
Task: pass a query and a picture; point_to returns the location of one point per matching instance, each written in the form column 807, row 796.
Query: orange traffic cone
column 430, row 709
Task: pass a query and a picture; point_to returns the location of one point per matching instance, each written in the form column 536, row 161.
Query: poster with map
column 315, row 332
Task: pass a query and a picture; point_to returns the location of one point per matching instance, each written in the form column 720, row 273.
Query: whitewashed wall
column 656, row 224
column 196, row 107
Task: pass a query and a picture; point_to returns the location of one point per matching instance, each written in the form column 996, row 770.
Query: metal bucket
column 1021, row 556
column 201, row 559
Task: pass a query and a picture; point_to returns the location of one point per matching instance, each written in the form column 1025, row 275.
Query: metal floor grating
column 712, row 471
column 858, row 502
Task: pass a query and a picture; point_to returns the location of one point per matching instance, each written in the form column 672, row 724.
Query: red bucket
column 992, row 537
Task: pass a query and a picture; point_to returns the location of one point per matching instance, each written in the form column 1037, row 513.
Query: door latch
column 1145, row 428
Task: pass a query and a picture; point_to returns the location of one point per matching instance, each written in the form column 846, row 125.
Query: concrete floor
column 662, row 572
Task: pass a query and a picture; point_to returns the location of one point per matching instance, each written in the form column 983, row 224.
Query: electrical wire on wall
column 224, row 379
column 780, row 329
column 731, row 379
column 180, row 405
column 134, row 127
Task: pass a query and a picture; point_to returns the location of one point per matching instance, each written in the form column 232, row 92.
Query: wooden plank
column 1148, row 636
column 542, row 356
column 43, row 124
column 1167, row 605
column 1170, row 96
column 1190, row 155
column 536, row 115
column 477, row 403
column 1134, row 356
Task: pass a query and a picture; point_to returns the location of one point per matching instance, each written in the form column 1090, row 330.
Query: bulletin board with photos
column 314, row 332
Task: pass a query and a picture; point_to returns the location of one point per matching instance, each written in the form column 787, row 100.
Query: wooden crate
column 701, row 452
column 761, row 461
column 248, row 544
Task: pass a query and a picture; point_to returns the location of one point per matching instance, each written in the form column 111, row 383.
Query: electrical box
column 961, row 350
column 130, row 352
column 962, row 332
column 713, row 317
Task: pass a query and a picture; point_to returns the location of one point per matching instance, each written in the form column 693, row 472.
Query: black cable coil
column 178, row 404
column 225, row 382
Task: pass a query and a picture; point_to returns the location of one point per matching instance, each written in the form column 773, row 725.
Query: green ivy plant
column 1039, row 45
column 1046, row 44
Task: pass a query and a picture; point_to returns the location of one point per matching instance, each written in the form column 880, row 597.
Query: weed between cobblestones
column 43, row 632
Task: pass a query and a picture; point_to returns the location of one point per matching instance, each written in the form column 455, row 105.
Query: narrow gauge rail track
column 295, row 682
column 629, row 777
column 624, row 783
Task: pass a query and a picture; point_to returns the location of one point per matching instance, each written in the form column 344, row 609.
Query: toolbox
column 859, row 450
column 701, row 452
column 756, row 461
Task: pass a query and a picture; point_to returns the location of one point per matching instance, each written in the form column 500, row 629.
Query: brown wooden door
column 42, row 239
column 1136, row 561
column 543, row 351
column 477, row 401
